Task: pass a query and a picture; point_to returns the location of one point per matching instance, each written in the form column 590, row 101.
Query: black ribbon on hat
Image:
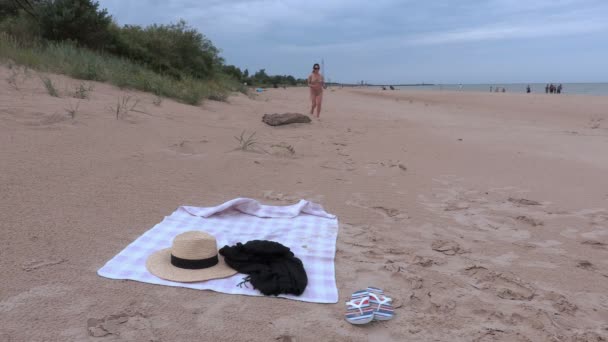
column 195, row 264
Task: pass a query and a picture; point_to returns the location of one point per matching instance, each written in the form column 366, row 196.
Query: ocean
column 567, row 88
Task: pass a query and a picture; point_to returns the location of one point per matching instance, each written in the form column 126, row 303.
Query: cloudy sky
column 398, row 41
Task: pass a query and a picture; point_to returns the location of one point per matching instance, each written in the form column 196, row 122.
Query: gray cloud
column 286, row 36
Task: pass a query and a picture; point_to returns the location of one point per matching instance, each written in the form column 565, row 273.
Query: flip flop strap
column 357, row 304
column 384, row 300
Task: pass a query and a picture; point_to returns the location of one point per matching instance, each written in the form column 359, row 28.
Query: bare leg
column 312, row 109
column 318, row 101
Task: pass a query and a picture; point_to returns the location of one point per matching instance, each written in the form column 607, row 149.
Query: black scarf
column 272, row 268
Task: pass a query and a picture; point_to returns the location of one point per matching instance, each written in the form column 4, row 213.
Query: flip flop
column 381, row 304
column 358, row 309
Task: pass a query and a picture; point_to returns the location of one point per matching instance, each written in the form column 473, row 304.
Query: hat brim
column 160, row 265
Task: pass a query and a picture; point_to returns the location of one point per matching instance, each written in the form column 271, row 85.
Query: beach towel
column 306, row 228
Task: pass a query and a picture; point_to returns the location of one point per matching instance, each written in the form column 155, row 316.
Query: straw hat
column 192, row 257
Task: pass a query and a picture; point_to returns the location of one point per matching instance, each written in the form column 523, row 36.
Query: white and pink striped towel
column 306, row 228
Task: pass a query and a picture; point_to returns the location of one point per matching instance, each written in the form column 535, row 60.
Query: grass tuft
column 157, row 101
column 124, row 105
column 50, row 87
column 82, row 91
column 246, row 143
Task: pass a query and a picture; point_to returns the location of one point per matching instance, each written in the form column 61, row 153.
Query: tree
column 233, row 71
column 11, row 8
column 260, row 77
column 8, row 8
column 78, row 20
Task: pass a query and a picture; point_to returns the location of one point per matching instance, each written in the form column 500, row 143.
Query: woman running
column 316, row 84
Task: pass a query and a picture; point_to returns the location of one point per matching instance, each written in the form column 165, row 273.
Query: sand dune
column 482, row 214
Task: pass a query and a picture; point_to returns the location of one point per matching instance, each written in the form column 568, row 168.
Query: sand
column 482, row 214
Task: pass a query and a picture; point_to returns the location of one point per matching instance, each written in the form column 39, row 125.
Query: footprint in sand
column 387, row 212
column 190, row 147
column 503, row 285
column 36, row 264
column 561, row 303
column 595, row 244
column 426, row 261
column 529, row 220
column 393, row 267
column 277, row 196
column 337, row 166
column 283, row 150
column 286, row 338
column 596, row 233
column 586, row 265
column 125, row 326
column 589, row 336
column 497, row 335
column 447, row 247
column 32, row 295
column 391, row 212
column 523, row 201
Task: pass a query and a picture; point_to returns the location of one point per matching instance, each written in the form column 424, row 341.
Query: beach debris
column 285, row 119
column 447, row 247
column 523, row 201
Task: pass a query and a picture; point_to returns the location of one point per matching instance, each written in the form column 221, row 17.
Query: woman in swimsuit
column 316, row 83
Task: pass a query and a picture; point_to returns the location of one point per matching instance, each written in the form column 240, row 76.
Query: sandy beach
column 482, row 214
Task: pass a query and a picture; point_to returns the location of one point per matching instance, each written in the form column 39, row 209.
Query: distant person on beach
column 547, row 89
column 528, row 89
column 391, row 87
column 559, row 88
column 315, row 83
column 551, row 88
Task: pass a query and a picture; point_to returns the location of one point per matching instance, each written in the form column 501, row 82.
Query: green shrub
column 174, row 49
column 81, row 63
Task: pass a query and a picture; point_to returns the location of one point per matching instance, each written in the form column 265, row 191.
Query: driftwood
column 285, row 119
